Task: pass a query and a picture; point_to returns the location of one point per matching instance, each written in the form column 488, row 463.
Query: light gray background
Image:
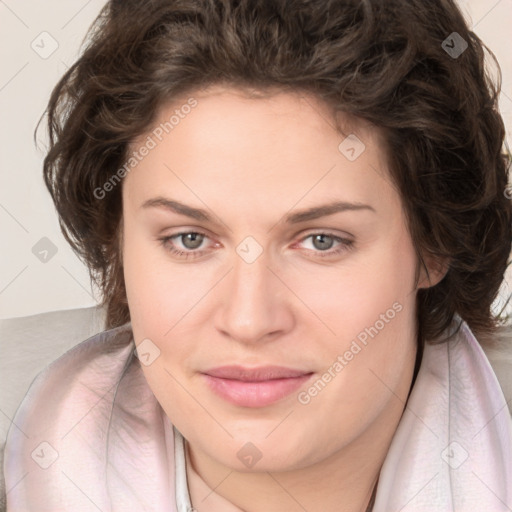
column 27, row 285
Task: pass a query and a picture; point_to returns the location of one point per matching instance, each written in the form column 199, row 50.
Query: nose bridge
column 250, row 284
column 253, row 306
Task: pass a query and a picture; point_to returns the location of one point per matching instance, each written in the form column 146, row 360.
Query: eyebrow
column 314, row 212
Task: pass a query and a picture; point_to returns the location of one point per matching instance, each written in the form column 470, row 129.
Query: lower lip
column 255, row 394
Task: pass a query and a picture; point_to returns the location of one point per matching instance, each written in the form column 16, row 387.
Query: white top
column 182, row 495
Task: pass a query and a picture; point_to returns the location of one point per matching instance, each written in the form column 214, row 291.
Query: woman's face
column 276, row 278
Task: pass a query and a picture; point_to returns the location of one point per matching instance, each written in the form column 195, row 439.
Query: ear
column 437, row 269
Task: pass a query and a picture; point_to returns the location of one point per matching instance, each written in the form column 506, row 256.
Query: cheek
column 382, row 322
column 159, row 292
column 158, row 300
column 353, row 295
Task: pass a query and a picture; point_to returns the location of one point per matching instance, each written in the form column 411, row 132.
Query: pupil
column 322, row 238
column 195, row 238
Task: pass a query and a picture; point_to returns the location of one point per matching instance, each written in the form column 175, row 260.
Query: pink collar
column 90, row 435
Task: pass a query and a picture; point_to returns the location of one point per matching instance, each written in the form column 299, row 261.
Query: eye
column 190, row 240
column 323, row 242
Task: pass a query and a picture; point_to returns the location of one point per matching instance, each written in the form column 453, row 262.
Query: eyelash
column 345, row 245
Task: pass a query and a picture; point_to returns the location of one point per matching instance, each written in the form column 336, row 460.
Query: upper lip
column 261, row 373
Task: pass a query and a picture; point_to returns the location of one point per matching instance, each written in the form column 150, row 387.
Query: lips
column 261, row 373
column 255, row 387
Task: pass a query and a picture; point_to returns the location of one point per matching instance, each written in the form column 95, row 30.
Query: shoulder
column 83, row 378
column 30, row 343
column 95, row 362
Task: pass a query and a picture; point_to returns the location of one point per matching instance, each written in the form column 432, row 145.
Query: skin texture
column 250, row 162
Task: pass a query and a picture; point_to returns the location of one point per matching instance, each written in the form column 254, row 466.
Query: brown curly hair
column 387, row 62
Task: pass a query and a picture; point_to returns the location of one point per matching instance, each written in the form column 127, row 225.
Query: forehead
column 225, row 109
column 280, row 147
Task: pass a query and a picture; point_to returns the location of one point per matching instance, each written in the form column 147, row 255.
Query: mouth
column 255, row 387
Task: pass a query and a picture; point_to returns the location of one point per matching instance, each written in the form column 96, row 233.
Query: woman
column 297, row 213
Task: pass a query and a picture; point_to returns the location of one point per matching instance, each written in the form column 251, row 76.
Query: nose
column 255, row 304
